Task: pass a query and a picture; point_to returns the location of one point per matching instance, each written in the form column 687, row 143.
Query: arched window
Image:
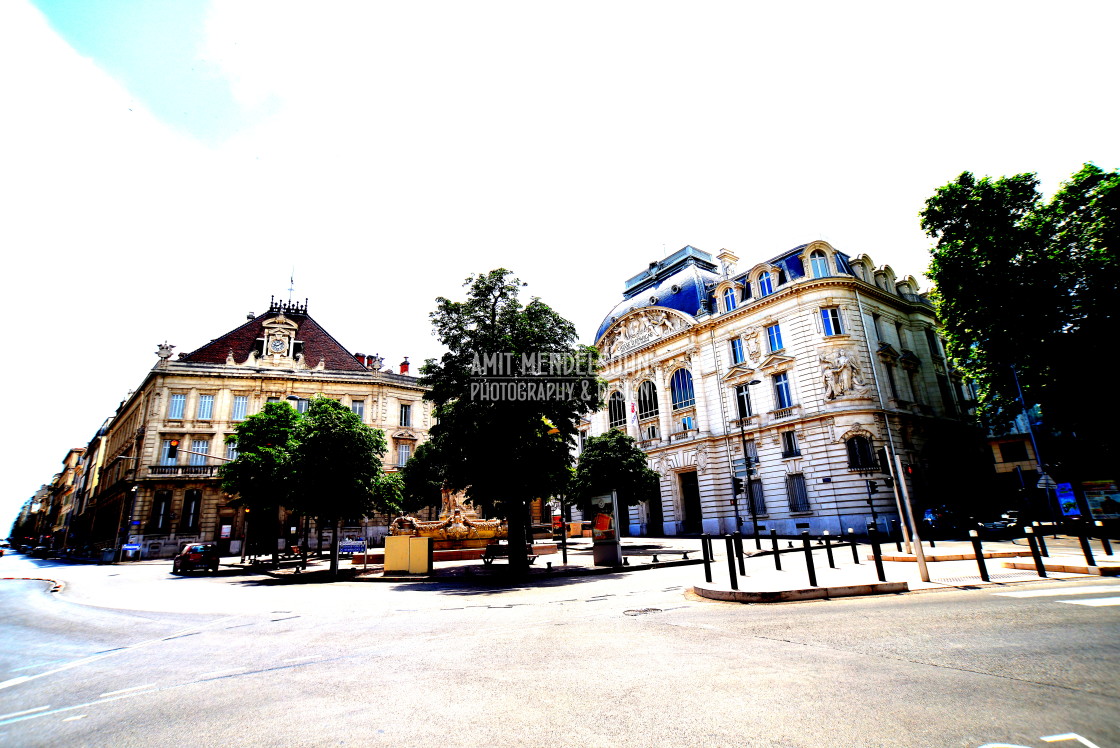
column 765, row 285
column 729, row 300
column 647, row 400
column 680, row 386
column 819, row 264
column 860, row 454
column 616, row 410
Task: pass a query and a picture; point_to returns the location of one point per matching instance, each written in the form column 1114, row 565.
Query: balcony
column 182, row 471
column 683, row 435
column 784, row 414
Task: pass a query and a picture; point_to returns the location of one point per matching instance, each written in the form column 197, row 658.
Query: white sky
column 160, row 180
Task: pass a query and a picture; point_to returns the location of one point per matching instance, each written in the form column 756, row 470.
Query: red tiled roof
column 317, row 344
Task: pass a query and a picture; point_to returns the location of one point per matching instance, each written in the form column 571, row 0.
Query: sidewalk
column 951, row 565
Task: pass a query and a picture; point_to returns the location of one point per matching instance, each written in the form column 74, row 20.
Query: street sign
column 1045, row 481
column 130, row 547
column 352, row 546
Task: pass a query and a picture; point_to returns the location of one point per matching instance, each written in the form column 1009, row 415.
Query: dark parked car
column 1006, row 526
column 41, row 551
column 196, row 556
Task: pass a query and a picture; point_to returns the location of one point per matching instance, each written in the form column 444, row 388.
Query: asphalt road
column 626, row 660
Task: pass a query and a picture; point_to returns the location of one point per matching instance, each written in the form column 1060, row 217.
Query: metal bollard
column 707, row 557
column 731, row 561
column 777, row 553
column 828, row 550
column 876, row 552
column 979, row 551
column 1105, row 545
column 897, row 533
column 1084, row 539
column 1040, row 540
column 1032, row 541
column 739, row 553
column 808, row 544
column 852, row 540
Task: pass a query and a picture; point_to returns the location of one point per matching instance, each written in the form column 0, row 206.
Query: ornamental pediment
column 887, row 352
column 403, row 434
column 740, row 372
column 641, row 328
column 775, row 363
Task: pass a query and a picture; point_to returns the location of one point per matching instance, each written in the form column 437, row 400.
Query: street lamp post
column 747, row 467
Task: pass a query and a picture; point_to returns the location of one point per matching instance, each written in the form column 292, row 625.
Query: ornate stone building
column 813, row 366
column 157, row 485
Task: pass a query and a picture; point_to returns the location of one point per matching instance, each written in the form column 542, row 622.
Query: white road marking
column 75, row 719
column 301, row 659
column 25, row 711
column 1058, row 591
column 1068, row 736
column 1098, row 602
column 94, row 658
column 126, row 690
column 216, row 673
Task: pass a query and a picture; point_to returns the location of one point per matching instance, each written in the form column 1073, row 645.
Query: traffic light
column 872, row 486
column 738, row 483
column 172, row 449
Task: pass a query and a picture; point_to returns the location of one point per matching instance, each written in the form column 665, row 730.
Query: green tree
column 337, row 467
column 1026, row 285
column 423, row 480
column 508, row 392
column 261, row 477
column 609, row 462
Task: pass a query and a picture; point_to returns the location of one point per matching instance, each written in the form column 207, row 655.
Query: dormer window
column 729, row 300
column 765, row 285
column 818, row 262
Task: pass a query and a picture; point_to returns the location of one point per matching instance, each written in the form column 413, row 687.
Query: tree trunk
column 515, row 524
column 334, row 546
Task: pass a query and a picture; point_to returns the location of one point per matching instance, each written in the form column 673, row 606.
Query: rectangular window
column 946, row 396
column 795, row 490
column 358, row 407
column 240, row 407
column 737, row 351
column 406, row 415
column 830, row 318
column 782, row 396
column 205, row 407
column 931, row 341
column 687, row 423
column 743, row 400
column 231, row 451
column 192, row 504
column 202, row 446
column 789, row 444
column 404, row 451
column 159, row 521
column 176, row 407
column 1013, row 452
column 302, row 404
column 273, row 400
column 890, row 380
column 774, row 338
column 166, row 457
column 875, row 320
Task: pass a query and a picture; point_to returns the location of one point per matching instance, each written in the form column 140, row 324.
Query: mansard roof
column 317, row 342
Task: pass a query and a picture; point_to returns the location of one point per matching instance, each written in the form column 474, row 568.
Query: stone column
column 664, row 404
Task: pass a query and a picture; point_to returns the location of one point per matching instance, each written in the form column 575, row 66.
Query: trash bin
column 108, row 555
column 130, row 554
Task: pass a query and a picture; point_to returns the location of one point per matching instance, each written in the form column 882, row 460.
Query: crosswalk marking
column 1058, row 591
column 1096, row 602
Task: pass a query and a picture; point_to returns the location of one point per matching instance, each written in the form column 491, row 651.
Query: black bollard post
column 704, row 549
column 739, row 553
column 1084, row 539
column 1105, row 545
column 731, row 561
column 876, row 552
column 979, row 551
column 1040, row 540
column 777, row 553
column 808, row 544
column 828, row 550
column 897, row 532
column 852, row 540
column 931, row 543
column 1038, row 565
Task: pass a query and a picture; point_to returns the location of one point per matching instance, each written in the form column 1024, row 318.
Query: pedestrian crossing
column 1108, row 590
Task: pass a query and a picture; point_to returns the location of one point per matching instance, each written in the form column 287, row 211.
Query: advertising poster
column 1067, row 500
column 1103, row 499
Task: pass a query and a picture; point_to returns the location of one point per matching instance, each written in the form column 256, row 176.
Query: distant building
column 797, row 376
column 157, row 458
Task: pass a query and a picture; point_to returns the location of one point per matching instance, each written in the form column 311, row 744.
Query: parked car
column 196, row 556
column 41, row 551
column 1005, row 526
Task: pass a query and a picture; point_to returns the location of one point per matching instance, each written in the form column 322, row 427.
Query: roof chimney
column 404, row 365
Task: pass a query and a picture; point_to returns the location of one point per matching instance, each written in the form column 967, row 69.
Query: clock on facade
column 278, row 345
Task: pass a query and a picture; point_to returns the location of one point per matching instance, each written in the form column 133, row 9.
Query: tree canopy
column 261, row 477
column 509, row 393
column 609, row 462
column 1028, row 285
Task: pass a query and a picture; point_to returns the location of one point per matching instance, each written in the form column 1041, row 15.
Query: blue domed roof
column 680, row 282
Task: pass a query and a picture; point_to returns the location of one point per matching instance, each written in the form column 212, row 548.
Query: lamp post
column 747, row 466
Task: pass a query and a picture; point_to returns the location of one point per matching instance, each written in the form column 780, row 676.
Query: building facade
column 157, row 458
column 794, row 381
